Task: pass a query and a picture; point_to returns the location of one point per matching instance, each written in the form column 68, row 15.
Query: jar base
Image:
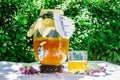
column 51, row 68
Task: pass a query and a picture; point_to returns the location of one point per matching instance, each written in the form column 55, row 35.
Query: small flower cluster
column 94, row 69
column 28, row 69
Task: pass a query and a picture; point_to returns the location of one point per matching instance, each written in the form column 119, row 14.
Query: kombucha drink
column 51, row 51
column 77, row 61
column 77, row 65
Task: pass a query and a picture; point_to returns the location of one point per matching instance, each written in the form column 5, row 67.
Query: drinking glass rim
column 79, row 51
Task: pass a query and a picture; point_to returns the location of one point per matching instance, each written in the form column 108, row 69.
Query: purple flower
column 97, row 71
column 103, row 70
column 91, row 72
column 28, row 70
column 25, row 67
column 21, row 68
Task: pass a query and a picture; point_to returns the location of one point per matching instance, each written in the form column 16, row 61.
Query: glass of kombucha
column 77, row 61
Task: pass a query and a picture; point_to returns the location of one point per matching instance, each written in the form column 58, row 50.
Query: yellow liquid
column 77, row 65
column 57, row 50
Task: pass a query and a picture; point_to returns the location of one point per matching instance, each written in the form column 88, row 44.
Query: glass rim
column 79, row 51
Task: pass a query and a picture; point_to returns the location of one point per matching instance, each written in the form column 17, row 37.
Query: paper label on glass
column 63, row 25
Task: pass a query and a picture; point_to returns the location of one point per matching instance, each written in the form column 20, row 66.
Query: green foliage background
column 97, row 27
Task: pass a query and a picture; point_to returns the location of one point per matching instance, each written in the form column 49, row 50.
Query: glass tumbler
column 77, row 61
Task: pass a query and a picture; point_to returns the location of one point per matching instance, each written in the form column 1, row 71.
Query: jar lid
column 52, row 10
column 48, row 21
column 45, row 23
